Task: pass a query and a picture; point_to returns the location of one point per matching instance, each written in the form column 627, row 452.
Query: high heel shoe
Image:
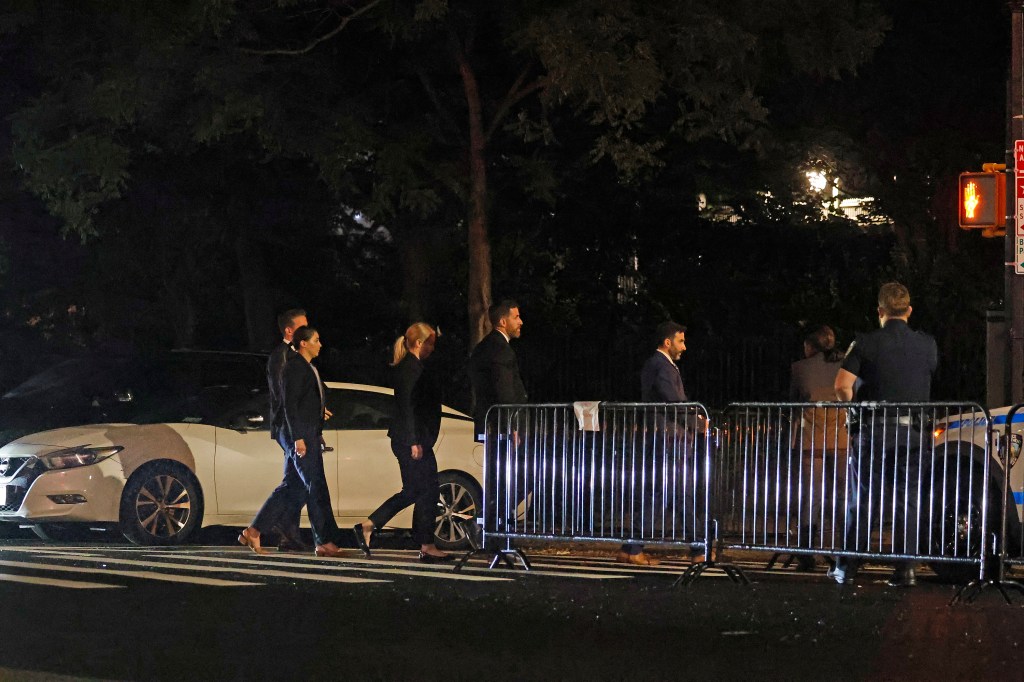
column 251, row 542
column 361, row 539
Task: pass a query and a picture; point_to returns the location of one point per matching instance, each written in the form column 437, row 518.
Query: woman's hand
column 417, row 452
column 300, row 447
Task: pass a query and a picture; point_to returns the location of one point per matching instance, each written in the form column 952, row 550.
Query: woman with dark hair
column 821, row 437
column 413, row 432
column 304, row 412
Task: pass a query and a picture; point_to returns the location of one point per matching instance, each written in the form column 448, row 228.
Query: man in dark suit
column 304, row 413
column 493, row 367
column 291, row 494
column 660, row 382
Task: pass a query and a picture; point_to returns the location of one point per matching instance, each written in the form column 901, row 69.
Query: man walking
column 894, row 364
column 660, row 382
column 282, row 509
column 493, row 366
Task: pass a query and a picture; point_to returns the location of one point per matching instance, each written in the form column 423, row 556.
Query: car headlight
column 79, row 456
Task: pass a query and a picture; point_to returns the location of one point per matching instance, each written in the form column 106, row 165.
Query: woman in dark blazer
column 413, row 432
column 304, row 414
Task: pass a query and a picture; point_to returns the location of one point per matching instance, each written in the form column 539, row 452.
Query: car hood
column 45, row 441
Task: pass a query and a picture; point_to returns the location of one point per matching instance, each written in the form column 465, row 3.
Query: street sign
column 1018, row 176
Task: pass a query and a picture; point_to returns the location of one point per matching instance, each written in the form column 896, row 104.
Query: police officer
column 893, row 364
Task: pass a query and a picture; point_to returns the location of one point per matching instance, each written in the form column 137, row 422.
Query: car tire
column 460, row 499
column 966, row 523
column 61, row 532
column 161, row 505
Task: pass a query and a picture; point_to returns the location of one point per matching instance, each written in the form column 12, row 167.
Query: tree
column 408, row 107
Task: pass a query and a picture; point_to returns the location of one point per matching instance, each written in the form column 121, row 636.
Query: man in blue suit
column 660, row 382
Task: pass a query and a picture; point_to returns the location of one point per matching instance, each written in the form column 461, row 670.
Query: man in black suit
column 494, row 376
column 493, row 367
column 660, row 382
column 304, row 413
column 291, row 494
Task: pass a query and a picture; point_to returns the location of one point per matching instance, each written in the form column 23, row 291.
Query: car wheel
column 161, row 505
column 962, row 536
column 61, row 532
column 459, row 500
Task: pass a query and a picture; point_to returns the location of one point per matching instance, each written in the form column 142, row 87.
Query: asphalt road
column 107, row 610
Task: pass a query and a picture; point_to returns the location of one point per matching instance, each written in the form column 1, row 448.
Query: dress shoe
column 361, row 542
column 434, row 558
column 292, row 544
column 325, row 551
column 844, row 571
column 640, row 559
column 903, row 576
column 250, row 541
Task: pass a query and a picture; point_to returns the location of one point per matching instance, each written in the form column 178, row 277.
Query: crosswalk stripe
column 54, row 582
column 222, row 569
column 337, row 565
column 147, row 575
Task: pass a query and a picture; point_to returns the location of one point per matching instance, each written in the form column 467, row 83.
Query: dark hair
column 667, row 330
column 303, row 333
column 823, row 340
column 288, row 317
column 500, row 310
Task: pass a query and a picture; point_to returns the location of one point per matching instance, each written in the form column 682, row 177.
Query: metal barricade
column 628, row 473
column 1011, row 532
column 859, row 480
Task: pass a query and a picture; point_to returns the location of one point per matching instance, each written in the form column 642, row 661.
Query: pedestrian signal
column 982, row 200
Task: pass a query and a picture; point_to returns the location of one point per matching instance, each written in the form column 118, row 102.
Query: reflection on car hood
column 93, row 434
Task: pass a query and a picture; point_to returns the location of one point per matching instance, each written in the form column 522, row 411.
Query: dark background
column 216, row 229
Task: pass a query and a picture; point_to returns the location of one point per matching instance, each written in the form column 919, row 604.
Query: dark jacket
column 275, row 385
column 303, row 405
column 494, row 375
column 895, row 363
column 417, row 418
column 660, row 381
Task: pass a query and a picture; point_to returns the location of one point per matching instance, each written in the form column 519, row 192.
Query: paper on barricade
column 587, row 414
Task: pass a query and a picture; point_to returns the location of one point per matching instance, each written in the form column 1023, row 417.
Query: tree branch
column 316, row 41
column 516, row 93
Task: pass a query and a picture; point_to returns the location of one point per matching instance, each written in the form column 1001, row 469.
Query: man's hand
column 327, row 413
column 417, row 452
column 300, row 447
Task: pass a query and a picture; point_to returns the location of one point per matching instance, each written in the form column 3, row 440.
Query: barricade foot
column 694, row 571
column 972, row 590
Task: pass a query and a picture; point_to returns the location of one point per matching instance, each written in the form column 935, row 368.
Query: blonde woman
column 413, row 433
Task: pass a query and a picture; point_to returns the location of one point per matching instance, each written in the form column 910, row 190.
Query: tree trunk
column 479, row 289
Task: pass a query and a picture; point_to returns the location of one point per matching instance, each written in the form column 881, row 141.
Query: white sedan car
column 209, row 460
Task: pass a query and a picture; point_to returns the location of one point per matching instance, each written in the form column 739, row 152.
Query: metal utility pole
column 1014, row 282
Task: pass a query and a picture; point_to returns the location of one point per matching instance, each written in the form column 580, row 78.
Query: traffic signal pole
column 1014, row 283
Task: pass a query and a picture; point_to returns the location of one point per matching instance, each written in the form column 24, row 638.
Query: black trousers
column 304, row 482
column 281, row 510
column 886, row 478
column 419, row 487
column 288, row 500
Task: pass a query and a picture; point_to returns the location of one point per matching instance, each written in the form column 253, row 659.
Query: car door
column 367, row 470
column 249, row 464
